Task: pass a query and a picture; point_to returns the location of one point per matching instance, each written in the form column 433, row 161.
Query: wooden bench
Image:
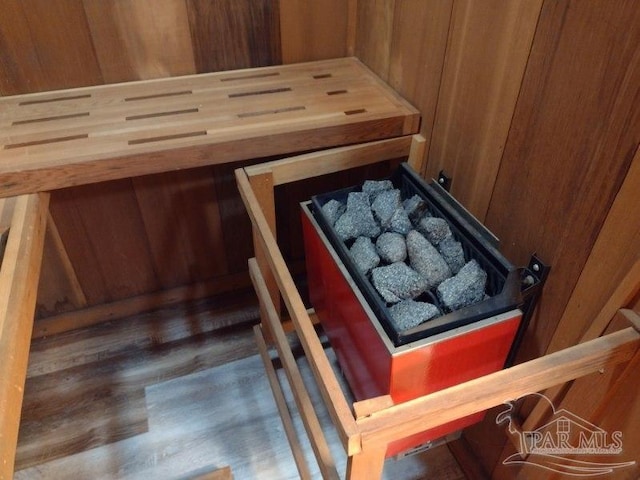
column 60, row 139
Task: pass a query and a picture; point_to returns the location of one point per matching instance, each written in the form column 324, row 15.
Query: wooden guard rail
column 366, row 428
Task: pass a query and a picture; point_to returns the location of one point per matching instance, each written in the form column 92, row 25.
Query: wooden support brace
column 18, row 287
column 417, row 153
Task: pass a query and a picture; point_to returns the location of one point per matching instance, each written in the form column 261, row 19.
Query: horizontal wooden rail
column 297, row 168
column 18, row 286
column 494, row 389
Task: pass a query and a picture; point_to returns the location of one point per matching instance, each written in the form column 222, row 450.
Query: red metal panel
column 446, row 363
column 452, row 360
column 363, row 357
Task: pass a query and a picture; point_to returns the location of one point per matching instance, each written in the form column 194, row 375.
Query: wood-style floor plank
column 171, row 396
column 85, row 388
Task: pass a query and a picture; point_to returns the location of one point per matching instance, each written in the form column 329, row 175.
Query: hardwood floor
column 171, row 395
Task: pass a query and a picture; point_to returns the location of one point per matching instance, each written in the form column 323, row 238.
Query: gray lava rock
column 465, row 288
column 391, row 247
column 357, row 220
column 425, row 259
column 434, row 229
column 385, row 205
column 397, row 281
column 374, row 187
column 451, row 251
column 409, row 313
column 332, row 211
column 346, row 227
column 400, row 222
column 364, row 254
column 416, row 208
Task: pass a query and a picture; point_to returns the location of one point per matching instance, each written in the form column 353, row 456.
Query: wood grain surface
column 481, row 80
column 183, row 226
column 110, row 252
column 540, row 141
column 574, row 134
column 313, row 30
column 232, row 34
column 140, row 39
column 416, row 61
column 18, row 281
column 46, row 45
column 134, row 236
column 58, row 289
column 374, row 32
column 607, row 265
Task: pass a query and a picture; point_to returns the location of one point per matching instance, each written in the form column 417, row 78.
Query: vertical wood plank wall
column 123, row 239
column 537, row 118
column 532, row 106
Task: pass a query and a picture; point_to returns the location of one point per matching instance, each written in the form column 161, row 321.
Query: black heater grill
column 503, row 279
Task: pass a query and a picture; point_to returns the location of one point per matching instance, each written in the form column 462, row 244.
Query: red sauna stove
column 373, row 364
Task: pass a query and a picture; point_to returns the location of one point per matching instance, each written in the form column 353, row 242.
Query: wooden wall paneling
column 610, row 272
column 140, row 39
column 232, row 34
column 575, row 130
column 352, row 26
column 313, row 30
column 419, row 42
column 374, row 33
column 620, row 411
column 45, row 45
column 103, row 231
column 182, row 222
column 488, row 49
column 573, row 134
column 19, row 64
column 161, row 209
column 616, row 250
column 58, row 289
column 236, row 226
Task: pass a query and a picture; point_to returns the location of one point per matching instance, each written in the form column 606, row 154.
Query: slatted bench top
column 70, row 137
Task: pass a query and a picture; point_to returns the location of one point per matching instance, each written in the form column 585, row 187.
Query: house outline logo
column 554, row 445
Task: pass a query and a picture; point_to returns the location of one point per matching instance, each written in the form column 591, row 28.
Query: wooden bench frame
column 366, row 428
